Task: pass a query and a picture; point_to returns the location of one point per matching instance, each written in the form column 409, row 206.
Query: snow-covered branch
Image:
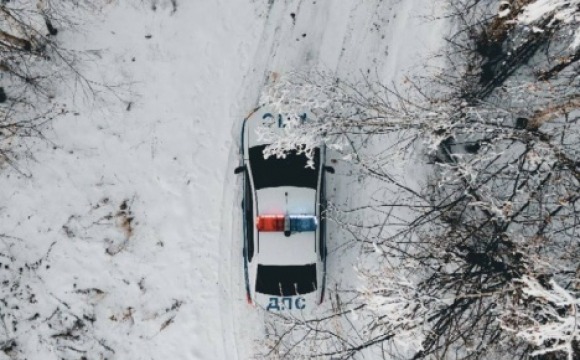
column 547, row 316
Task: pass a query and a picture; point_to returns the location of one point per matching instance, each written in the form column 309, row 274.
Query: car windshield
column 286, row 280
column 289, row 171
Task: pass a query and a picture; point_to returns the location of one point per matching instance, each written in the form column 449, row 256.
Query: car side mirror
column 329, row 169
column 239, row 169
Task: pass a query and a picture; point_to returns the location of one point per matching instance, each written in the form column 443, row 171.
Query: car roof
column 286, row 200
column 278, row 249
column 275, row 248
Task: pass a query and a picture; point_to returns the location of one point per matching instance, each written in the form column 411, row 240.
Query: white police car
column 283, row 215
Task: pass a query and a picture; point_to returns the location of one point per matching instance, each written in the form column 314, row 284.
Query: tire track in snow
column 230, row 266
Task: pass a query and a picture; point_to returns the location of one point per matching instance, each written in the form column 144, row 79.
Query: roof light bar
column 287, row 223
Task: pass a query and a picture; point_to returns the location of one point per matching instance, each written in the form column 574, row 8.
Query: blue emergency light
column 301, row 223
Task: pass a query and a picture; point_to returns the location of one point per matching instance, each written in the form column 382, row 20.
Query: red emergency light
column 268, row 223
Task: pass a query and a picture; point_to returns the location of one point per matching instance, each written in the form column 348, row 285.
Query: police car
column 284, row 229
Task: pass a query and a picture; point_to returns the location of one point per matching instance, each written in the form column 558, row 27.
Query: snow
column 564, row 11
column 132, row 204
column 170, row 157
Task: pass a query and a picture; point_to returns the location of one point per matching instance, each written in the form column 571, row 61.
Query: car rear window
column 286, row 280
column 290, row 171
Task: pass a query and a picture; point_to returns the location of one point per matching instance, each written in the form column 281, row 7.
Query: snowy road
column 169, row 281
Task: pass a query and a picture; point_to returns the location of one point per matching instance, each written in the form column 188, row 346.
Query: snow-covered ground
column 131, row 207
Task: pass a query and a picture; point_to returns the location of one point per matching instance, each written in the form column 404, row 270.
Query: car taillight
column 291, row 223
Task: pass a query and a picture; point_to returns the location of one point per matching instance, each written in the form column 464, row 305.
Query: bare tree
column 32, row 62
column 480, row 261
